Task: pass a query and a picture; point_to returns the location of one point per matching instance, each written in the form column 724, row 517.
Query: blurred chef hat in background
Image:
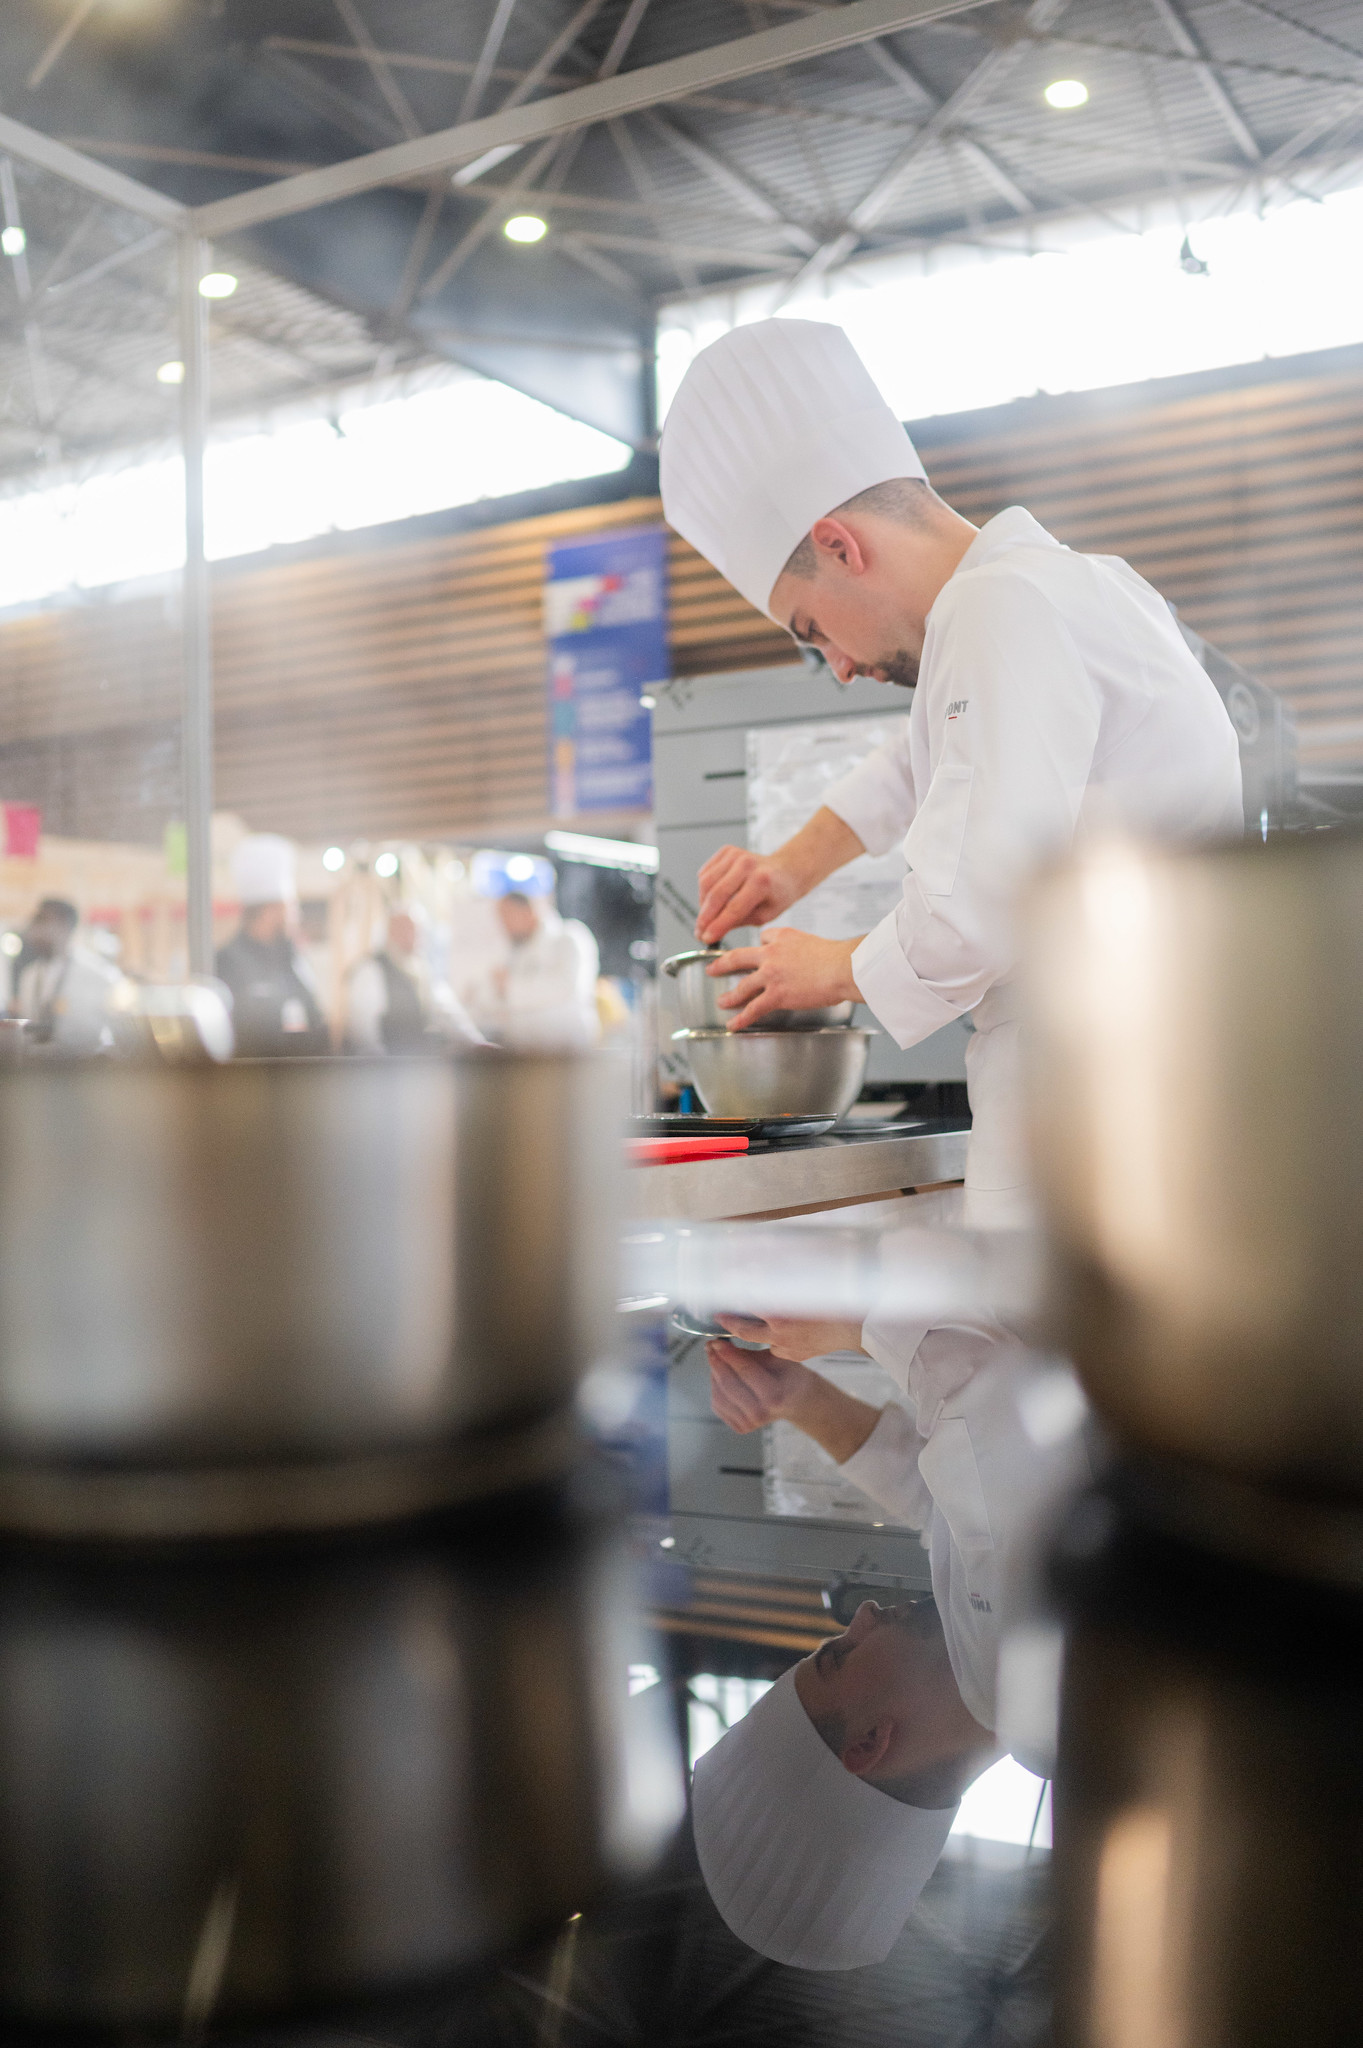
column 265, row 870
column 805, row 1862
column 774, row 426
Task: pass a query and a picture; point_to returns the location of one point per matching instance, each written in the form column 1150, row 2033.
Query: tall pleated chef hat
column 773, row 427
column 806, row 1863
column 264, row 869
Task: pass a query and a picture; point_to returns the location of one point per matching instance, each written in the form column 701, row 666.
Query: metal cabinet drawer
column 700, row 777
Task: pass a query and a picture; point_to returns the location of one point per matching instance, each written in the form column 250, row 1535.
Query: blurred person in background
column 63, row 988
column 543, row 989
column 393, row 1003
column 275, row 1005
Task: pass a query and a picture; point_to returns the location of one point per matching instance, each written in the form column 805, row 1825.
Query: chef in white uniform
column 813, row 1838
column 541, row 989
column 1054, row 696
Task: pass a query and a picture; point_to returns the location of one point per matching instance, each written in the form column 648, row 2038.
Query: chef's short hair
column 517, row 896
column 907, row 500
column 58, row 909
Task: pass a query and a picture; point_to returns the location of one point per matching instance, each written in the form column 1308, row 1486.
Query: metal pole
column 196, row 741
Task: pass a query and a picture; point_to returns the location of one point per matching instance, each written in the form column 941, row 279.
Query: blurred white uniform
column 382, row 1017
column 542, row 991
column 67, row 999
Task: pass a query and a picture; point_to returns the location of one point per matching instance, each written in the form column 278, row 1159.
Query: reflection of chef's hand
column 790, row 970
column 749, row 1389
column 738, row 887
column 791, row 1339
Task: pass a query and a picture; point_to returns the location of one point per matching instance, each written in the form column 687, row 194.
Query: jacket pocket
column 933, row 844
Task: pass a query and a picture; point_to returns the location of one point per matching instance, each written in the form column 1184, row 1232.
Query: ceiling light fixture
column 1066, row 92
column 219, row 284
column 525, row 227
column 386, row 865
column 13, row 241
column 171, row 373
column 333, row 860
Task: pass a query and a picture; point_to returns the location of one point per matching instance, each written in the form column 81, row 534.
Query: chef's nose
column 863, row 1621
column 842, row 665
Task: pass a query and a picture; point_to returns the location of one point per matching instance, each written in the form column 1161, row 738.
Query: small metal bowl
column 777, row 1073
column 698, row 994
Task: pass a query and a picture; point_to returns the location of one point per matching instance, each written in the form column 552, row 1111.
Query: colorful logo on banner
column 605, row 618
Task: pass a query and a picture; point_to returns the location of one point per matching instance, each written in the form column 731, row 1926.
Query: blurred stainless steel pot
column 776, row 1073
column 1195, row 1036
column 698, row 994
column 237, row 1783
column 283, row 1292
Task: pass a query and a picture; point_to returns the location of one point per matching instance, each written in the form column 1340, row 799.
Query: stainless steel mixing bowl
column 292, row 1290
column 698, row 994
column 1195, row 1035
column 776, row 1073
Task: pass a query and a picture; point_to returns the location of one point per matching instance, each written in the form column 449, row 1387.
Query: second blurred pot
column 1195, row 1026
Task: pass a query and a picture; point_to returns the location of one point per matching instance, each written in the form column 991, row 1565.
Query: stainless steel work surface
column 799, row 1174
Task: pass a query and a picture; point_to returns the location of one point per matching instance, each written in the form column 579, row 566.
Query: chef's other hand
column 749, row 1389
column 789, row 1338
column 790, row 970
column 738, row 887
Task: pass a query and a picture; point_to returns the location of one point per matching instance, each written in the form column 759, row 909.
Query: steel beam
column 816, row 35
column 105, row 183
column 1187, row 40
column 196, row 738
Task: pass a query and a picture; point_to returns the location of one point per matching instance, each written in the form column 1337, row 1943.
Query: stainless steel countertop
column 798, row 1173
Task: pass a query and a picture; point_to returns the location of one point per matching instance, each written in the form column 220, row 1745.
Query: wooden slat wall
column 401, row 691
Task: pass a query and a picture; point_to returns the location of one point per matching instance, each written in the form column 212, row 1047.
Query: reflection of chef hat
column 807, row 1864
column 264, row 870
column 774, row 426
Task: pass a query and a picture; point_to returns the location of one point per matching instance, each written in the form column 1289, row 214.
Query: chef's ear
column 837, row 543
column 866, row 1751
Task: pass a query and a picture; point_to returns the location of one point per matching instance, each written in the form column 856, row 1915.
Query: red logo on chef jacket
column 955, row 710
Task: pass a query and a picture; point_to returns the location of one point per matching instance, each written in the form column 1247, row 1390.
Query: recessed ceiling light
column 1066, row 92
column 386, row 865
column 13, row 241
column 171, row 373
column 333, row 860
column 219, row 284
column 525, row 227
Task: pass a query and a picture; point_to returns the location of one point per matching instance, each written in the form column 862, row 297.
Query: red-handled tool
column 667, row 1151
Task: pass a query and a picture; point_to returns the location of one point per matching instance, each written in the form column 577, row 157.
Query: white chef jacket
column 1056, row 696
column 550, row 996
column 960, row 1465
column 72, row 993
column 367, row 1006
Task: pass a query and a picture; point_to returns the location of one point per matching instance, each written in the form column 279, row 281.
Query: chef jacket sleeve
column 366, row 1007
column 886, row 1468
column 1013, row 721
column 876, row 798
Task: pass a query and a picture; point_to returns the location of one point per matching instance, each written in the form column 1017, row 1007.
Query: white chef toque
column 264, row 869
column 807, row 1863
column 774, row 426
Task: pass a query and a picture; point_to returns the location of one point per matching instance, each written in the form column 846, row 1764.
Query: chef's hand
column 738, row 887
column 789, row 1338
column 749, row 1389
column 790, row 970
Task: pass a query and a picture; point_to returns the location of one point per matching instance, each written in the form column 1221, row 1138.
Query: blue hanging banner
column 605, row 618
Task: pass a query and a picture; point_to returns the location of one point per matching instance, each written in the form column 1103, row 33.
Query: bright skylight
column 966, row 327
column 457, row 439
